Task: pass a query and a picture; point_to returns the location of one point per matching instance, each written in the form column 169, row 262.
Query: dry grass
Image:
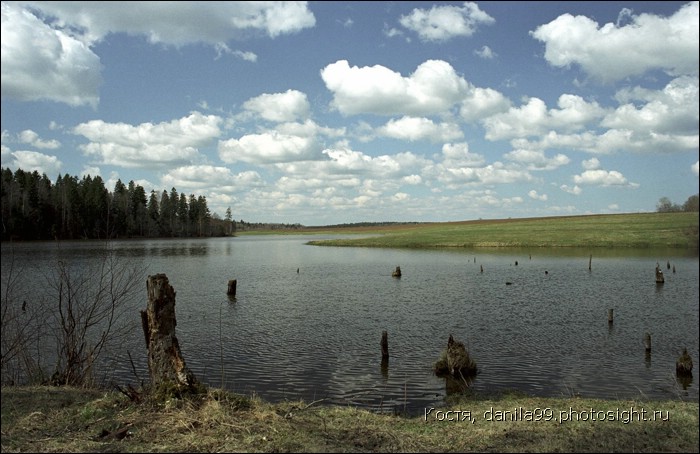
column 40, row 419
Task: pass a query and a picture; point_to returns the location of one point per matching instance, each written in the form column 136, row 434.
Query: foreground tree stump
column 166, row 364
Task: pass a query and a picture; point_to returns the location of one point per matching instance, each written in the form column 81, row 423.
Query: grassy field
column 645, row 230
column 47, row 419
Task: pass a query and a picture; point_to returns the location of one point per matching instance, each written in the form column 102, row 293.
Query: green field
column 644, row 230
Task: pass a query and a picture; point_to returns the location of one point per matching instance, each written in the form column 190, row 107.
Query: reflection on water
column 685, row 381
column 306, row 321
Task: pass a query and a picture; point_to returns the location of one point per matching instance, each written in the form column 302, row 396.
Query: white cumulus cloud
column 611, row 52
column 43, row 63
column 415, row 128
column 148, row 144
column 433, row 88
column 441, row 23
column 279, row 107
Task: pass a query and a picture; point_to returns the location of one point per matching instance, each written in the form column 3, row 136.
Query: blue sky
column 337, row 112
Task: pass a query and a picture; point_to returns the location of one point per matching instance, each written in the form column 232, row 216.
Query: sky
column 324, row 113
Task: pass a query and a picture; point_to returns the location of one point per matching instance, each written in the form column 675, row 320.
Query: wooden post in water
column 659, row 275
column 610, row 316
column 590, row 259
column 396, row 272
column 166, row 364
column 385, row 345
column 684, row 364
column 232, row 288
column 647, row 342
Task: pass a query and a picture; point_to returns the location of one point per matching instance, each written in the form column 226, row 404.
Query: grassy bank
column 44, row 419
column 645, row 230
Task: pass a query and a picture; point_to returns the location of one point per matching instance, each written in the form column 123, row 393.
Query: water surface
column 306, row 322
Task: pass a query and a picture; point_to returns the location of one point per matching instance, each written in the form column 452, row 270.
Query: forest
column 34, row 208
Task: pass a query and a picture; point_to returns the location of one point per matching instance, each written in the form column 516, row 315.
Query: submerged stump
column 684, row 364
column 659, row 275
column 396, row 272
column 647, row 343
column 166, row 365
column 385, row 345
column 231, row 290
column 455, row 361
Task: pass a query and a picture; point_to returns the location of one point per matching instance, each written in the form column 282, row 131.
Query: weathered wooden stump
column 659, row 275
column 396, row 272
column 385, row 345
column 166, row 364
column 590, row 260
column 647, row 342
column 684, row 364
column 610, row 316
column 455, row 361
column 231, row 291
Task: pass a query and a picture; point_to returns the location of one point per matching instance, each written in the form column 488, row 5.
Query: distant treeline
column 666, row 206
column 34, row 208
column 242, row 226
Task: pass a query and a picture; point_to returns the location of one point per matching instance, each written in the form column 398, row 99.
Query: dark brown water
column 315, row 334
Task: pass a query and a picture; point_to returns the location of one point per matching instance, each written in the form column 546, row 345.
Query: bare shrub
column 20, row 321
column 91, row 309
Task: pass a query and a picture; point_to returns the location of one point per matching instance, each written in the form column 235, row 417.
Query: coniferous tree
column 183, row 215
column 166, row 215
column 153, row 215
column 120, row 201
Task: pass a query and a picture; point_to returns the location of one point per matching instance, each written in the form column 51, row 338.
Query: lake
column 307, row 321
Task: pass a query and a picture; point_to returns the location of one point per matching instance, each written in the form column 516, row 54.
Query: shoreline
column 41, row 419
